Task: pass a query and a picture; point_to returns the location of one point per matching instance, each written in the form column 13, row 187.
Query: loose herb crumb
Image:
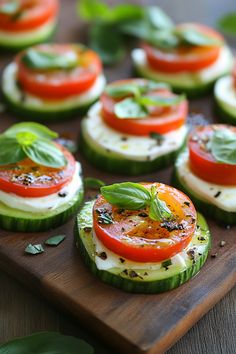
column 34, row 249
column 55, row 240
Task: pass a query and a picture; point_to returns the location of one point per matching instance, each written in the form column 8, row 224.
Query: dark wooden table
column 23, row 312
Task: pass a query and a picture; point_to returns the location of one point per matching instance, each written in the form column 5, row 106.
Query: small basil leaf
column 126, row 195
column 158, row 210
column 126, row 12
column 93, row 183
column 227, row 23
column 107, row 42
column 223, row 146
column 34, row 249
column 10, row 8
column 45, row 153
column 122, row 90
column 137, row 28
column 90, row 10
column 38, row 129
column 46, row 343
column 129, row 108
column 10, row 151
column 160, row 101
column 55, row 240
column 164, row 39
column 36, row 59
column 158, row 18
column 196, row 38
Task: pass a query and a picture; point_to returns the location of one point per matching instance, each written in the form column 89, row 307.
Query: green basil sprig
column 137, row 106
column 41, row 60
column 30, row 140
column 134, row 196
column 223, row 146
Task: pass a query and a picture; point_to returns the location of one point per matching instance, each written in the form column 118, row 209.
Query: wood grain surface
column 131, row 323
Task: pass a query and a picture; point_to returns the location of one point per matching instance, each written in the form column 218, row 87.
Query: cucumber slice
column 222, row 216
column 17, row 220
column 225, row 100
column 148, row 281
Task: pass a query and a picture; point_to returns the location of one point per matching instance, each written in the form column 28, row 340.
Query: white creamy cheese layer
column 115, row 261
column 186, row 79
column 140, row 148
column 225, row 94
column 206, row 191
column 13, row 92
column 47, row 203
column 27, row 36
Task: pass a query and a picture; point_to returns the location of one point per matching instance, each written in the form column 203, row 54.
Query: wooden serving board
column 132, row 324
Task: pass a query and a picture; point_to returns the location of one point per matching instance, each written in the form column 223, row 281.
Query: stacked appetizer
column 206, row 171
column 225, row 98
column 142, row 237
column 26, row 22
column 40, row 182
column 190, row 57
column 137, row 127
column 53, row 81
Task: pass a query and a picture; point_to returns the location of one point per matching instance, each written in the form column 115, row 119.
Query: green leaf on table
column 93, row 183
column 41, row 60
column 223, row 146
column 158, row 18
column 10, row 8
column 10, row 151
column 38, row 129
column 129, row 108
column 55, row 240
column 46, row 343
column 45, row 153
column 160, row 101
column 227, row 23
column 33, row 249
column 197, row 38
column 107, row 42
column 126, row 195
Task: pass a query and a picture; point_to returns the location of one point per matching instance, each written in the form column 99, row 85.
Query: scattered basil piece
column 126, row 195
column 130, row 108
column 33, row 249
column 36, row 59
column 46, row 343
column 194, row 37
column 223, row 146
column 227, row 24
column 93, row 183
column 40, row 130
column 55, row 240
column 158, row 18
column 10, row 8
column 10, row 151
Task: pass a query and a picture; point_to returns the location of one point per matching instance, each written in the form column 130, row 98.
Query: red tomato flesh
column 202, row 162
column 32, row 14
column 185, row 57
column 28, row 179
column 58, row 84
column 160, row 120
column 134, row 236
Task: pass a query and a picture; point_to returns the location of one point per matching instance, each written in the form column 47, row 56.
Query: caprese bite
column 53, row 81
column 225, row 97
column 40, row 181
column 190, row 57
column 142, row 237
column 206, row 171
column 26, row 22
column 137, row 127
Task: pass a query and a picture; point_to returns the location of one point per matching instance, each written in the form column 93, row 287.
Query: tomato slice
column 28, row 179
column 160, row 120
column 133, row 235
column 31, row 14
column 184, row 58
column 202, row 162
column 59, row 84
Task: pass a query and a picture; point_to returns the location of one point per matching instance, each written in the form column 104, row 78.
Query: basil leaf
column 129, row 108
column 10, row 151
column 45, row 153
column 164, row 39
column 93, row 9
column 158, row 18
column 33, row 249
column 160, row 101
column 46, row 343
column 26, row 138
column 107, row 42
column 93, row 183
column 122, row 90
column 197, row 38
column 152, row 85
column 137, row 28
column 126, row 12
column 223, row 146
column 55, row 240
column 10, row 8
column 36, row 59
column 158, row 210
column 227, row 23
column 38, row 129
column 126, row 195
